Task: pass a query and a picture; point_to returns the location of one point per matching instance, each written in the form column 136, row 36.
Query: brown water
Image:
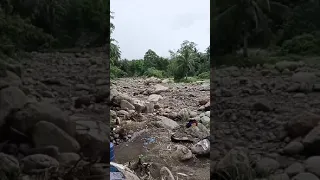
column 131, row 150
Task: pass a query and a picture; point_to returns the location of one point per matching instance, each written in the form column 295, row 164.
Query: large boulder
column 11, row 78
column 311, row 141
column 46, row 134
column 11, row 98
column 93, row 137
column 27, row 117
column 301, row 124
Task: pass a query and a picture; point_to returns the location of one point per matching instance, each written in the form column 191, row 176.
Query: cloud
column 159, row 25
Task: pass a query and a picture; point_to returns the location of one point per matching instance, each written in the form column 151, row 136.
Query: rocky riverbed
column 265, row 122
column 148, row 114
column 55, row 112
column 54, row 116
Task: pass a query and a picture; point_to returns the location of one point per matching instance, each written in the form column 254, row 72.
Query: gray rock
column 154, row 97
column 11, row 98
column 304, row 77
column 305, row 176
column 166, row 122
column 124, row 104
column 158, row 88
column 52, row 151
column 12, row 79
column 301, row 124
column 267, row 166
column 140, row 105
column 294, row 169
column 37, row 163
column 205, row 120
column 46, row 134
column 311, row 141
column 68, row 158
column 184, row 114
column 282, row 176
column 290, row 65
column 293, row 148
column 149, row 107
column 32, row 113
column 182, row 153
column 312, row 165
column 93, row 136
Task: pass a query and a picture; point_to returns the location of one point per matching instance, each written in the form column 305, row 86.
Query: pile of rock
column 146, row 105
column 39, row 139
column 266, row 122
column 149, row 106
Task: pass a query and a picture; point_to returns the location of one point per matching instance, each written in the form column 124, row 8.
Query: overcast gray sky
column 160, row 25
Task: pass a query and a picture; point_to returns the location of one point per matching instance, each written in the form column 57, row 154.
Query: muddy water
column 131, row 150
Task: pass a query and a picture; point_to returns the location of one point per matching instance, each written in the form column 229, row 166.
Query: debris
column 192, row 123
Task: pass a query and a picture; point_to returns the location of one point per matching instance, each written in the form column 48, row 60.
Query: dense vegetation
column 279, row 27
column 32, row 25
column 186, row 62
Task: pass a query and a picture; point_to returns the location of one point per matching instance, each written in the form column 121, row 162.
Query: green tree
column 247, row 11
column 236, row 21
column 115, row 53
column 185, row 58
column 138, row 66
column 150, row 59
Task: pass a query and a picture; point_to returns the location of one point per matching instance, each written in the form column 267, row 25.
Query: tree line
column 286, row 27
column 32, row 25
column 186, row 62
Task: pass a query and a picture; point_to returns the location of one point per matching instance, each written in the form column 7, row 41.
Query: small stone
column 182, row 153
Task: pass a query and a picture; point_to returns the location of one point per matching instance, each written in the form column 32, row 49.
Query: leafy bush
column 204, row 75
column 154, row 72
column 303, row 19
column 33, row 25
column 115, row 72
column 302, row 44
column 18, row 33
